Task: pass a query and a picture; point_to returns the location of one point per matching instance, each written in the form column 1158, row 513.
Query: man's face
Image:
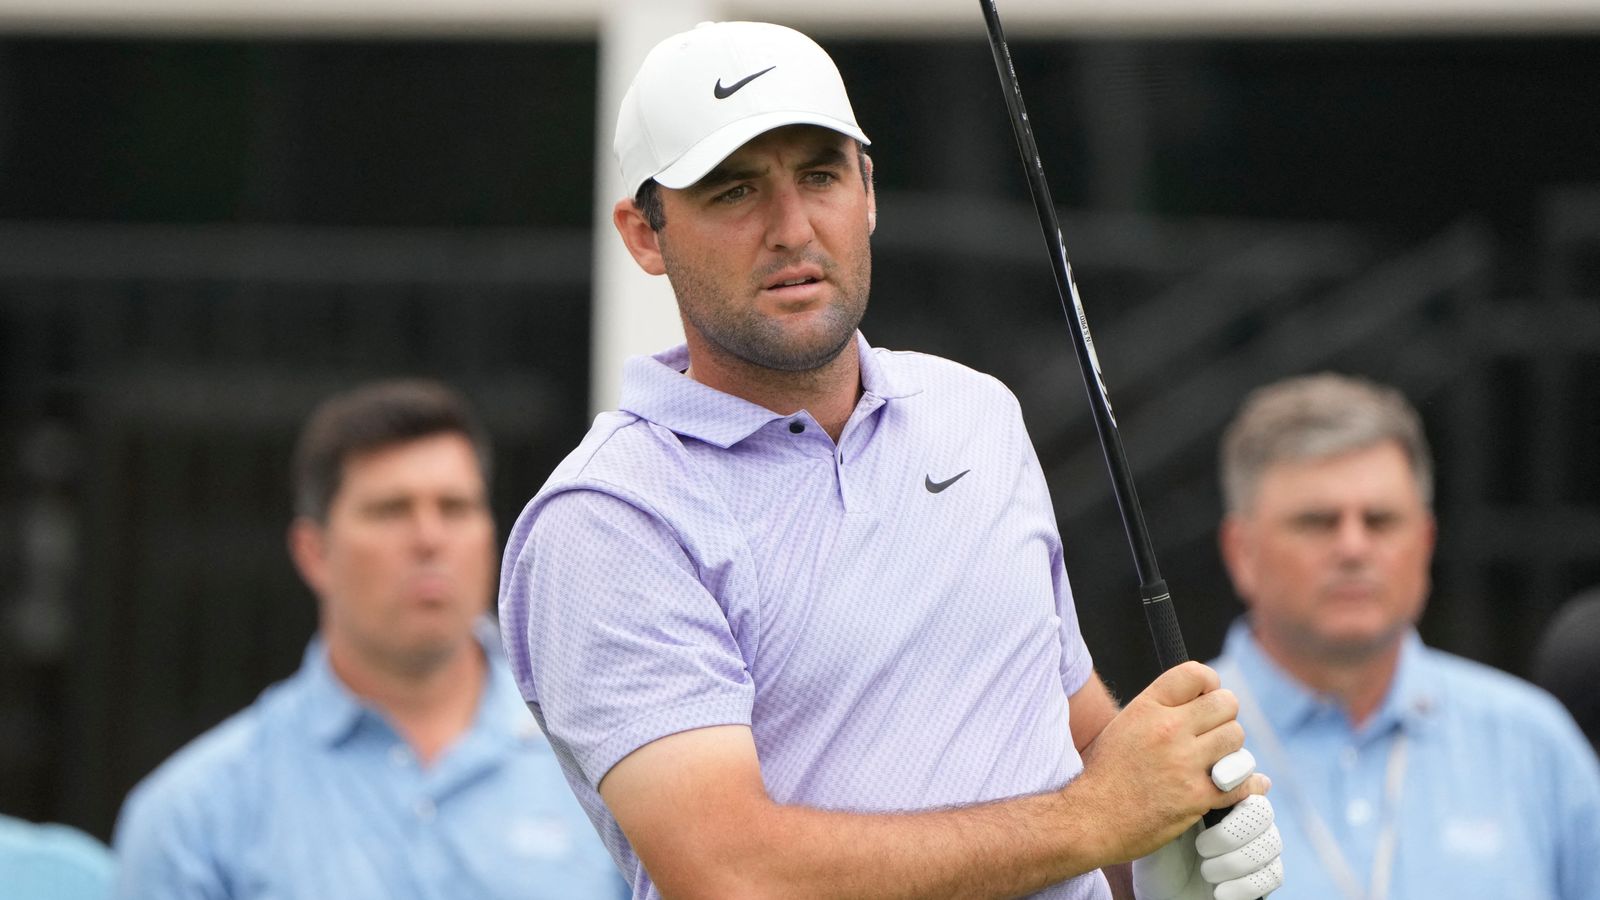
column 1332, row 554
column 769, row 254
column 404, row 563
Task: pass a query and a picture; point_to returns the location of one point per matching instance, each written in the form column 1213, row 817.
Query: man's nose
column 788, row 219
column 1354, row 537
column 428, row 529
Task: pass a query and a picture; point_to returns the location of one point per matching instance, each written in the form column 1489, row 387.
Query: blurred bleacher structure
column 154, row 376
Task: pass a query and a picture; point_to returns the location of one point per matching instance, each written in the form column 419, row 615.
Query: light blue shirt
column 1499, row 797
column 309, row 793
column 889, row 614
column 51, row 862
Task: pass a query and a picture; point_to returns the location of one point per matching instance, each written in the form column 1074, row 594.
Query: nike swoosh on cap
column 935, row 487
column 724, row 93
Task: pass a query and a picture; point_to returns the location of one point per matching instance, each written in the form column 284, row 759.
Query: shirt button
column 399, row 755
column 1349, row 757
column 425, row 809
column 797, row 427
column 1359, row 812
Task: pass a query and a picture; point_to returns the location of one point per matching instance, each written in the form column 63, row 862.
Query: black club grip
column 1168, row 639
column 1163, row 623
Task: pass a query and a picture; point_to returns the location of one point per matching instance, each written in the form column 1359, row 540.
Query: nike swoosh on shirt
column 724, row 93
column 935, row 487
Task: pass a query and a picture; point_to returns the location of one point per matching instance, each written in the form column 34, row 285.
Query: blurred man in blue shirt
column 1399, row 771
column 399, row 762
column 51, row 862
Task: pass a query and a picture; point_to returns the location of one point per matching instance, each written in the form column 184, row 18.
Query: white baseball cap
column 701, row 94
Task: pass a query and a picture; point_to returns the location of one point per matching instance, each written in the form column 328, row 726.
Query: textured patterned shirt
column 889, row 615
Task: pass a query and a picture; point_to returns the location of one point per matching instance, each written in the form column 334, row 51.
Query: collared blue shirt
column 888, row 613
column 309, row 793
column 51, row 862
column 1500, row 795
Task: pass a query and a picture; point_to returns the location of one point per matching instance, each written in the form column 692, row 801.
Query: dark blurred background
column 199, row 239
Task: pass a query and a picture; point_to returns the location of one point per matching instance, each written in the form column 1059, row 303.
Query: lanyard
column 1321, row 837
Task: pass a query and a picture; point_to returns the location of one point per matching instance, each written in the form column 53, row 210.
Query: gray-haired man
column 1401, row 771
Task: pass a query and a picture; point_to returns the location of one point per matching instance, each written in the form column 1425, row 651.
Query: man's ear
column 1238, row 554
column 872, row 197
column 641, row 240
column 309, row 551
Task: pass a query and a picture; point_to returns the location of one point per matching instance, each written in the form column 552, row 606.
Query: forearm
column 1002, row 849
column 695, row 808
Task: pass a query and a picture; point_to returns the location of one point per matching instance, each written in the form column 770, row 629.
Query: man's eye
column 1315, row 522
column 1382, row 521
column 458, row 508
column 821, row 177
column 732, row 194
column 388, row 510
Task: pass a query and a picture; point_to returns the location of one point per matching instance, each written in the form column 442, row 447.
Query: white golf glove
column 1237, row 859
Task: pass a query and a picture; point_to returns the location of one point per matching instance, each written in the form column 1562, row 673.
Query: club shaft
column 1157, row 601
column 1158, row 612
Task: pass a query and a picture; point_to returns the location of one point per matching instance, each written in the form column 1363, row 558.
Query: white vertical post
column 633, row 312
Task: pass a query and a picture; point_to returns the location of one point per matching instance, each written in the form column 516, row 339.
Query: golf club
column 1158, row 610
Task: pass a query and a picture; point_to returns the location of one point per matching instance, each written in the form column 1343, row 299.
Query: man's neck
column 429, row 705
column 828, row 392
column 1358, row 683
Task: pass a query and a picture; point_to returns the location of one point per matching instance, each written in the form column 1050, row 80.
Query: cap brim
column 716, row 147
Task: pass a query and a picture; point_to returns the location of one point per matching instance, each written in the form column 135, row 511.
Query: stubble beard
column 736, row 329
column 1343, row 650
column 404, row 658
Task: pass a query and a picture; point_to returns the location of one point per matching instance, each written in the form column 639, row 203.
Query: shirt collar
column 1413, row 699
column 1285, row 702
column 655, row 389
column 1288, row 704
column 333, row 712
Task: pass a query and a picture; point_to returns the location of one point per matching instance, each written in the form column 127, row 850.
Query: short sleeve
column 615, row 640
column 1076, row 663
column 164, row 846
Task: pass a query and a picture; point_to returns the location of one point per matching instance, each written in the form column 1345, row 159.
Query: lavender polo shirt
column 890, row 616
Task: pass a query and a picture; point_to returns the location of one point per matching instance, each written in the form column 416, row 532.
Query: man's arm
column 1092, row 709
column 696, row 811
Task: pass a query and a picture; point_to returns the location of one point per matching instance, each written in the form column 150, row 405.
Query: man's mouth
column 429, row 586
column 1351, row 590
column 793, row 277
